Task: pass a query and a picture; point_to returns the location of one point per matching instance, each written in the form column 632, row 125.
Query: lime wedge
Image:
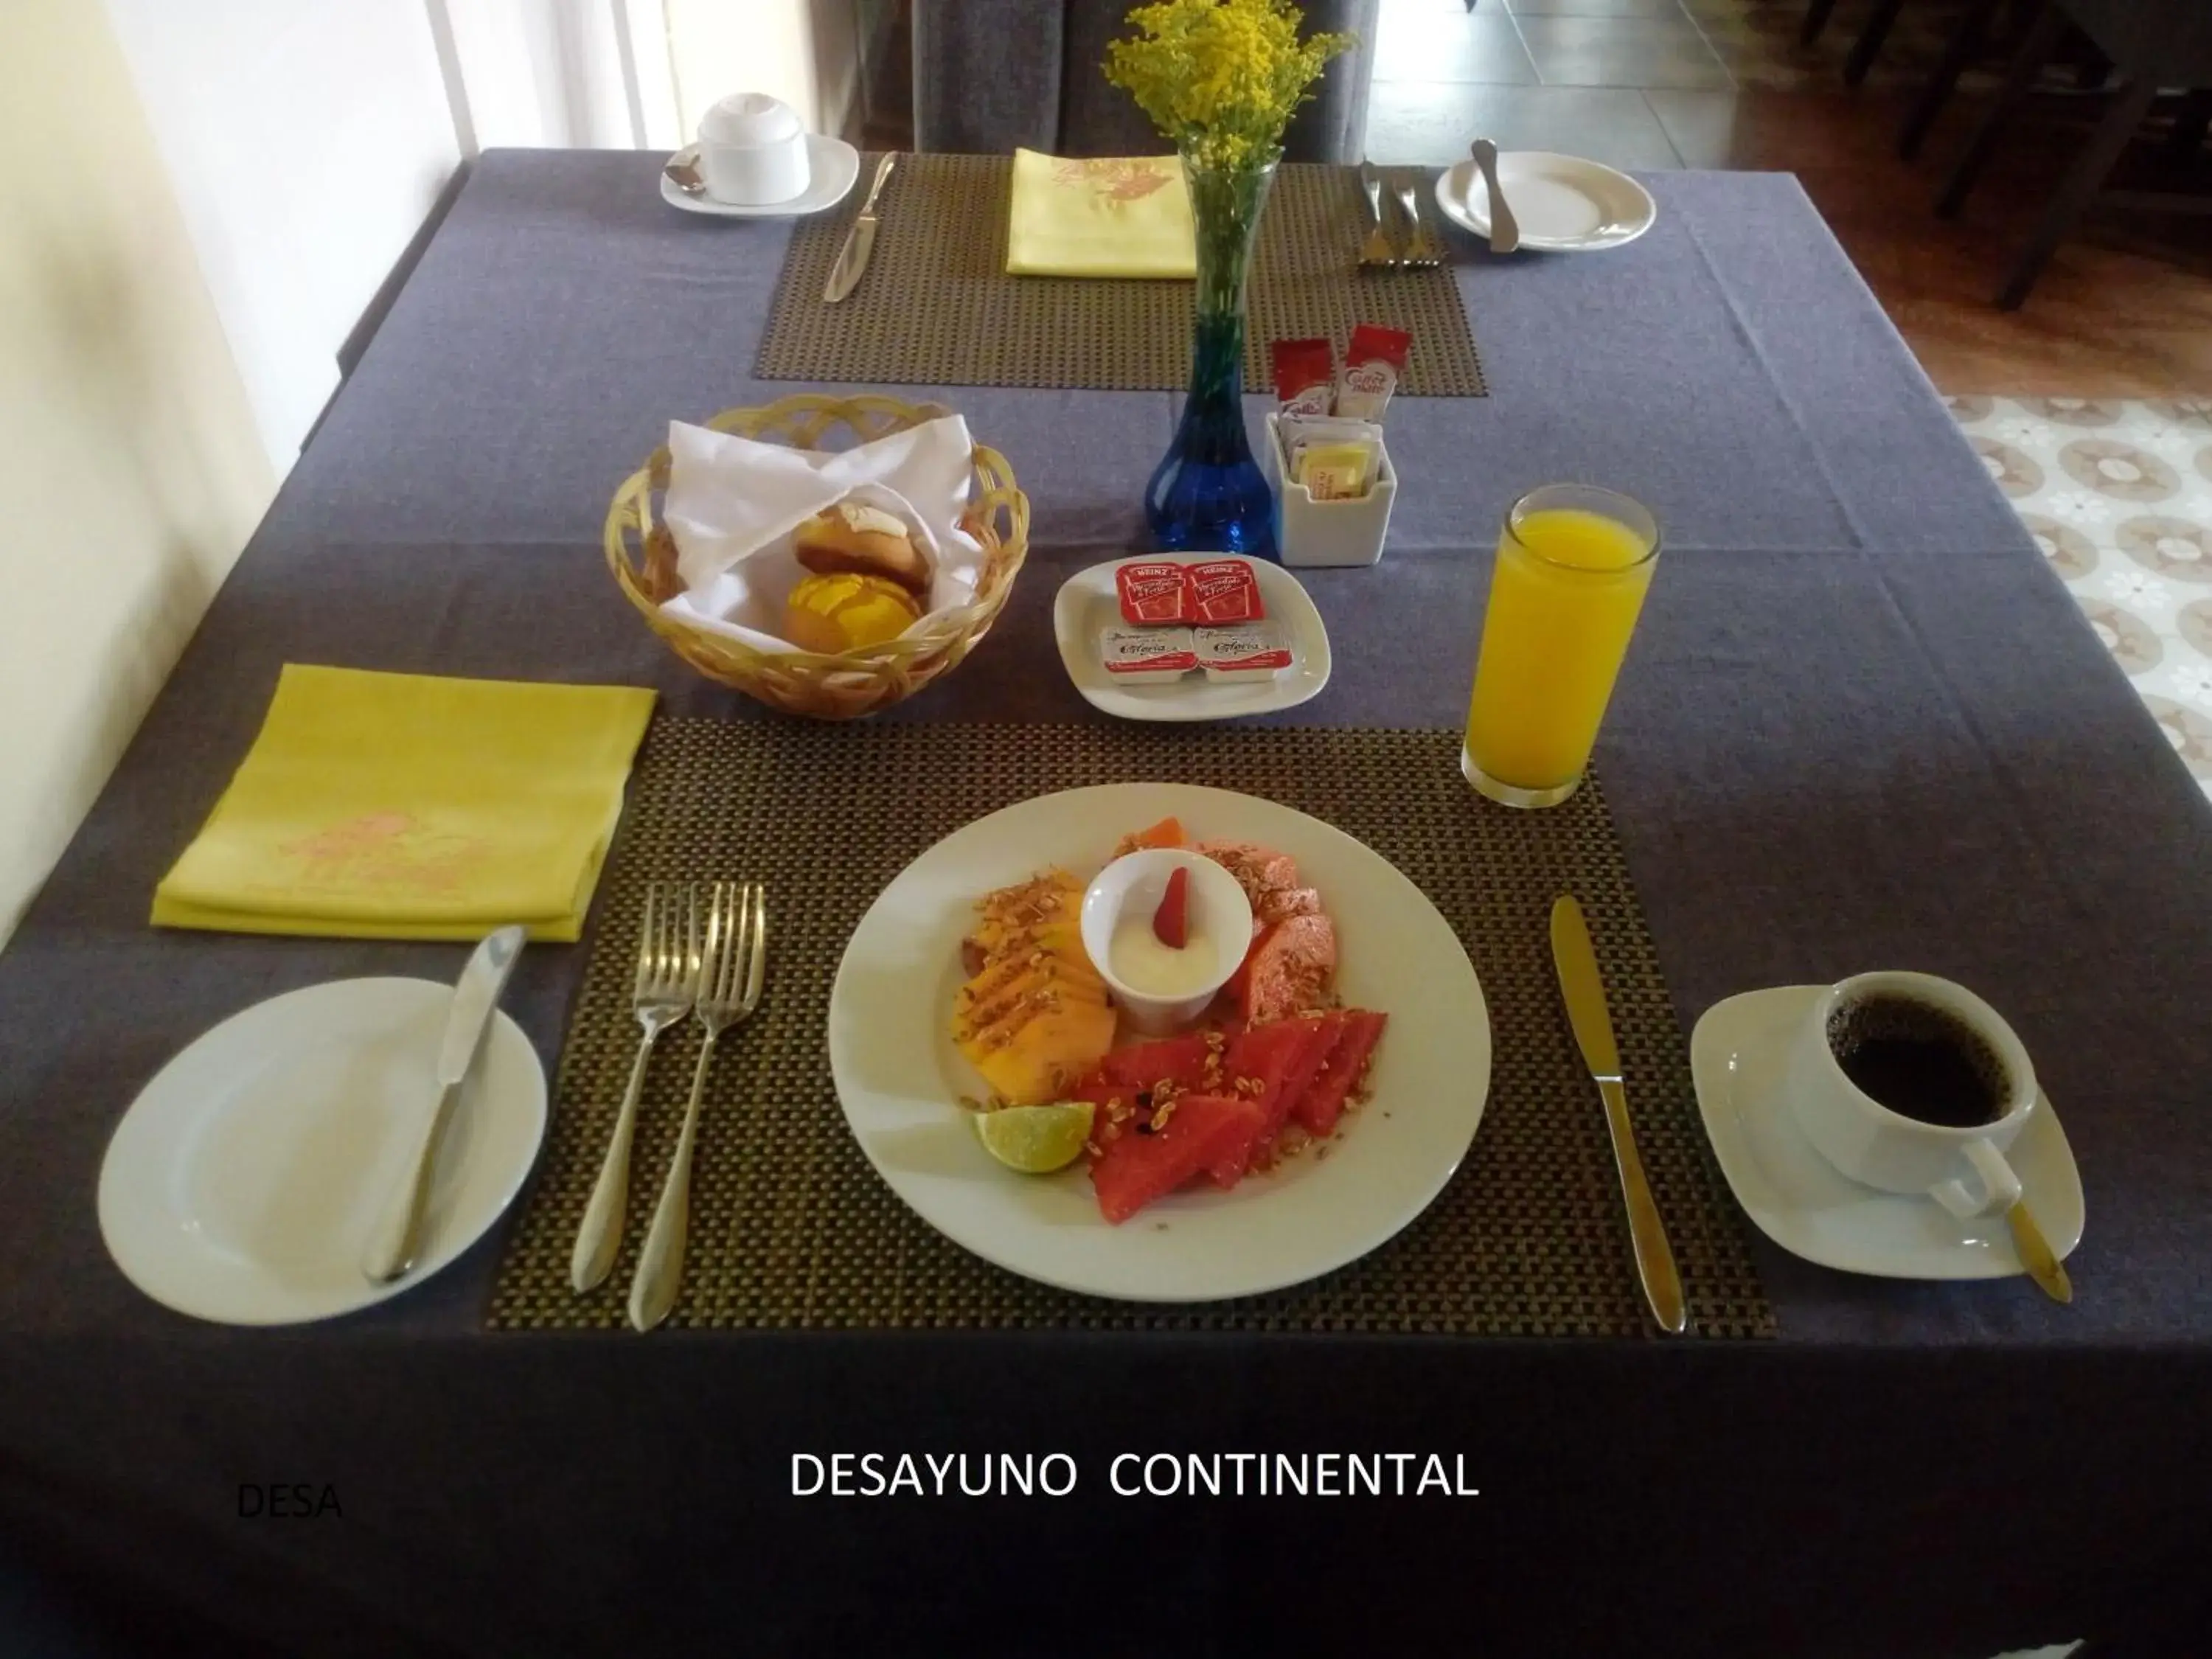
column 1036, row 1140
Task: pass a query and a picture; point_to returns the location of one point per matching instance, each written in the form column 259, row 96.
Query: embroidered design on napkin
column 1114, row 179
column 386, row 852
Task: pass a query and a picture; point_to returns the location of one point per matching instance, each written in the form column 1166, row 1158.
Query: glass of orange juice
column 1573, row 565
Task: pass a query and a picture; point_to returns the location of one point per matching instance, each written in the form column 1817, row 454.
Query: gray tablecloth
column 1862, row 726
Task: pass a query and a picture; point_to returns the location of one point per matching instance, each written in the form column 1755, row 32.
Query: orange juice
column 1572, row 569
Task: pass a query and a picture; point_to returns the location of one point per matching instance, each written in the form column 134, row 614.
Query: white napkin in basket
column 732, row 503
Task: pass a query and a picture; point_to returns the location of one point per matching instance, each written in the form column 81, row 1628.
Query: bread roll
column 838, row 613
column 863, row 541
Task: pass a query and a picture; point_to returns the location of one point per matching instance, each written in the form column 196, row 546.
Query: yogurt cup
column 1158, row 988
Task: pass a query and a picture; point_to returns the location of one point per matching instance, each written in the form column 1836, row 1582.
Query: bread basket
column 641, row 552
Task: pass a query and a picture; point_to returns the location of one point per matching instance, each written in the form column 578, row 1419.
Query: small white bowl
column 1218, row 907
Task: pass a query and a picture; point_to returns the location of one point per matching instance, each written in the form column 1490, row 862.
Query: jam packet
column 1373, row 363
column 1249, row 651
column 1305, row 372
column 1146, row 653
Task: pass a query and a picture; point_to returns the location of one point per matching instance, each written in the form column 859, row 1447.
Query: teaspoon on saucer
column 682, row 171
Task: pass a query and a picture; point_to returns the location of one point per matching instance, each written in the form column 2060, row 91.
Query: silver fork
column 732, row 963
column 1378, row 253
column 667, row 973
column 1423, row 252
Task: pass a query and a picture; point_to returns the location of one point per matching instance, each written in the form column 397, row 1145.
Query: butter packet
column 1336, row 460
column 1337, row 472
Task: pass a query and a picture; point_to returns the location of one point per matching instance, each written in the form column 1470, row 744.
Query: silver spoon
column 682, row 171
column 1504, row 232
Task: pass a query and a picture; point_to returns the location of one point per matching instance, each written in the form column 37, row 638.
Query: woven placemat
column 937, row 307
column 790, row 1225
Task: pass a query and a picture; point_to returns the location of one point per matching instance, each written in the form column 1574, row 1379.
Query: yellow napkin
column 1123, row 217
column 405, row 806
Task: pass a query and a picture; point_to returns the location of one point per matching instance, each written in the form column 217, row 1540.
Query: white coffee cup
column 1964, row 1170
column 752, row 151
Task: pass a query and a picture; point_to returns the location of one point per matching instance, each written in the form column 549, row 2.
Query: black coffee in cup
column 1919, row 1061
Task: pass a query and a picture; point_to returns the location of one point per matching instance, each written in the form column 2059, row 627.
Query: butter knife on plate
column 396, row 1240
column 860, row 241
column 1583, row 988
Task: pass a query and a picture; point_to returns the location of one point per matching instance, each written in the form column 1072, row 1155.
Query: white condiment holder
column 1310, row 533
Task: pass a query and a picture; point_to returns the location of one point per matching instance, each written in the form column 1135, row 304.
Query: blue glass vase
column 1209, row 493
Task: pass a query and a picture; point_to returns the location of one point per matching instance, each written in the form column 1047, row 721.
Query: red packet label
column 1373, row 363
column 1223, row 591
column 1146, row 653
column 1305, row 376
column 1249, row 651
column 1152, row 593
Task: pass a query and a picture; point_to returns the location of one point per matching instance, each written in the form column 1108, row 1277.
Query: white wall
column 131, row 469
column 592, row 74
column 199, row 199
column 306, row 142
column 804, row 51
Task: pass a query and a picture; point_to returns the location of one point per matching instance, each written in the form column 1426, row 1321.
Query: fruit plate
column 899, row 1077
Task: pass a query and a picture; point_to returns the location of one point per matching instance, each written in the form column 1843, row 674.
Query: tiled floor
column 2118, row 496
column 2125, row 309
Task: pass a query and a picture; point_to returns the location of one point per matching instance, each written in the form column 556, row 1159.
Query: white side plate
column 1087, row 602
column 1739, row 1058
column 899, row 1075
column 1562, row 203
column 832, row 165
column 241, row 1184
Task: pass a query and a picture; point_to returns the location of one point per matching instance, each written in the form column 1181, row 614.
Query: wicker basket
column 642, row 554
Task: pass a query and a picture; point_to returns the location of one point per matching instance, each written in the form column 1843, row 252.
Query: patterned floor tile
column 2117, row 493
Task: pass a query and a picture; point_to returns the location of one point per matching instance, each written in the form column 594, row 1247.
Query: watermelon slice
column 1178, row 1060
column 1275, row 1057
column 1323, row 1033
column 1136, row 1168
column 1322, row 1102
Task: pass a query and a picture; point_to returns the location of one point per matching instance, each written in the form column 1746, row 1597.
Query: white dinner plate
column 241, row 1184
column 1088, row 602
column 1740, row 1060
column 832, row 165
column 899, row 1076
column 1562, row 203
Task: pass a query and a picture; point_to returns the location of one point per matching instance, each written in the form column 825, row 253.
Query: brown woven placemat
column 937, row 307
column 791, row 1227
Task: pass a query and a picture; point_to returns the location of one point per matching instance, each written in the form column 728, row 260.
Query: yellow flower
column 1220, row 78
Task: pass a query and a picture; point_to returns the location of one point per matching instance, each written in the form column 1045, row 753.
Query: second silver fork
column 1423, row 251
column 732, row 963
column 667, row 974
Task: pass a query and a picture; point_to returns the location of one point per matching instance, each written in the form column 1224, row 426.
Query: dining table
column 1862, row 724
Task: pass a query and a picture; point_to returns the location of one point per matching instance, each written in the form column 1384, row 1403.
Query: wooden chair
column 2152, row 44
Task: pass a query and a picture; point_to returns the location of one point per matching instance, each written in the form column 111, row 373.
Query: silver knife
column 1583, row 990
column 860, row 241
column 397, row 1236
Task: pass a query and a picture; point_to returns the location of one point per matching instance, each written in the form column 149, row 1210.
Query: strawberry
column 1172, row 922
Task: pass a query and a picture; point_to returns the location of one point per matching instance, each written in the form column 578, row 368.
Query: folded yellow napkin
column 1123, row 218
column 405, row 806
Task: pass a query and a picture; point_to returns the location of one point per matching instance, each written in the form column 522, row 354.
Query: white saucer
column 832, row 165
column 1562, row 203
column 1739, row 1056
column 1087, row 602
column 241, row 1184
